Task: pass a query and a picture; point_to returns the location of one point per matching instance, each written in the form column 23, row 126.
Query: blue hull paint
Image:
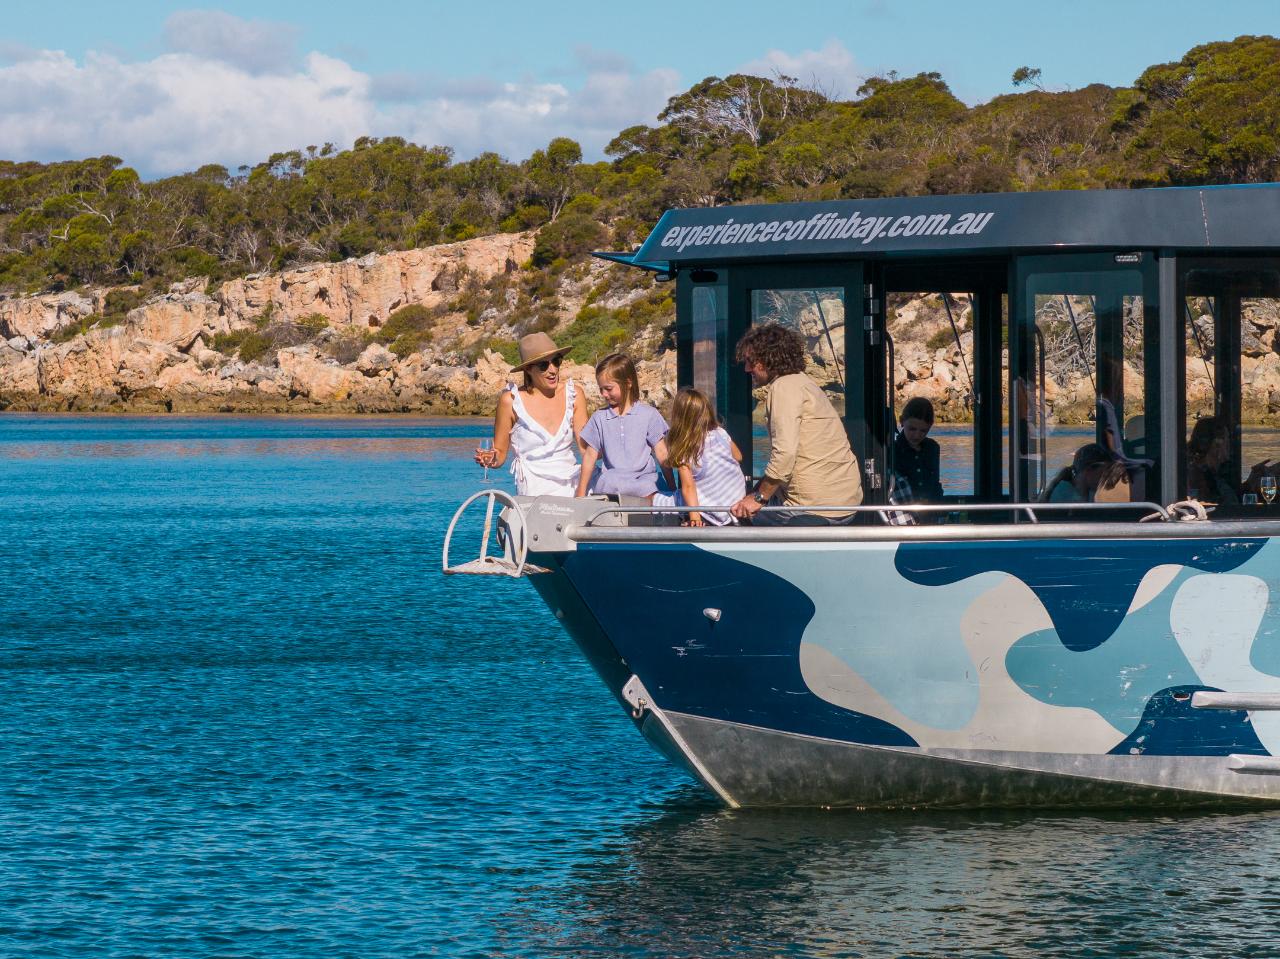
column 745, row 669
column 1050, row 648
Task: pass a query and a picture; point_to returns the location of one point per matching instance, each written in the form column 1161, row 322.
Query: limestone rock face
column 375, row 359
column 362, row 293
column 180, row 351
column 36, row 317
column 313, row 379
column 178, row 319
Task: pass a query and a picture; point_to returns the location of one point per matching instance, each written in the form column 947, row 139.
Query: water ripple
column 244, row 716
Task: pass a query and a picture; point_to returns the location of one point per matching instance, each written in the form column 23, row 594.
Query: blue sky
column 169, row 86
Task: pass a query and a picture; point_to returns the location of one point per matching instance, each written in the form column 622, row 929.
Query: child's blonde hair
column 619, row 368
column 692, row 418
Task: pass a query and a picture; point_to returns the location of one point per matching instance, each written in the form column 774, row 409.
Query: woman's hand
column 488, row 458
column 694, row 519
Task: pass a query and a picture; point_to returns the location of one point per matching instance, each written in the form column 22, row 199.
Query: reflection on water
column 43, row 437
column 352, row 447
column 692, row 881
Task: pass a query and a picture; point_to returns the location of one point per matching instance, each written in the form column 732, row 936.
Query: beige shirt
column 809, row 454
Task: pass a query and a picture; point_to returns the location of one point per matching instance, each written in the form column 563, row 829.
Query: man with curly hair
column 810, row 462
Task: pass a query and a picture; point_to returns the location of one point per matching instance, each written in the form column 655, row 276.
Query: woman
column 1092, row 467
column 1208, row 465
column 539, row 422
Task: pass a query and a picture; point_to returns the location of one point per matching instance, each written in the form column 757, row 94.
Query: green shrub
column 255, row 345
column 414, row 318
column 940, row 340
column 597, row 331
column 526, row 218
column 594, row 333
column 407, row 343
column 407, row 330
column 313, row 324
column 571, row 237
column 230, row 341
column 248, row 344
column 120, row 302
column 509, row 350
column 80, row 327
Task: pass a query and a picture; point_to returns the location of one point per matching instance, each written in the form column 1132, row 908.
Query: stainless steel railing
column 1030, row 510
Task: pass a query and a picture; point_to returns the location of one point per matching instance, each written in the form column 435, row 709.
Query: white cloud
column 515, row 119
column 176, row 112
column 234, row 91
column 258, row 46
column 832, row 68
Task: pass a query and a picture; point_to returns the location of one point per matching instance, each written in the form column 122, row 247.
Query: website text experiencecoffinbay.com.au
column 826, row 226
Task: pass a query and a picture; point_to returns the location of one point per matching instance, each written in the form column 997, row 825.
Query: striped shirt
column 717, row 476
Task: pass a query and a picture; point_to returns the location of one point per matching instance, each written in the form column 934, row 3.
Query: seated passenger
column 1092, row 467
column 708, row 462
column 810, row 462
column 1209, row 468
column 623, row 438
column 916, row 457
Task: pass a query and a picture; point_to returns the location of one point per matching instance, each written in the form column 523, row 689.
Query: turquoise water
column 244, row 715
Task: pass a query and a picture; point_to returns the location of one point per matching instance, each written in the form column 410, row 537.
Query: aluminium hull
column 1030, row 670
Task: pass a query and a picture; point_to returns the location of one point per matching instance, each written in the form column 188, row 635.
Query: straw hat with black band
column 536, row 347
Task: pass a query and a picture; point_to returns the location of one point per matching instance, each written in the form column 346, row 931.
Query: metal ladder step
column 493, row 566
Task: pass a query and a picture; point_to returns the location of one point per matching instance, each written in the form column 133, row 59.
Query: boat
column 991, row 649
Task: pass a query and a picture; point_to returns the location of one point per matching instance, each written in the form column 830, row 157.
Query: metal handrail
column 1042, row 424
column 517, row 540
column 1029, row 508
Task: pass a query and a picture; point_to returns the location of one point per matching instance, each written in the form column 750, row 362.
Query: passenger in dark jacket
column 915, row 456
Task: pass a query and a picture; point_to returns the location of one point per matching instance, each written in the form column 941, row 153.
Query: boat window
column 708, row 310
column 1081, row 375
column 818, row 314
column 1231, row 323
column 933, row 358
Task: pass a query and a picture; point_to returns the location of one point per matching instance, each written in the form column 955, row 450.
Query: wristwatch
column 757, row 497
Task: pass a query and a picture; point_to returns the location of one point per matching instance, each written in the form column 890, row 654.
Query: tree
column 552, row 172
column 1212, row 117
column 1027, row 76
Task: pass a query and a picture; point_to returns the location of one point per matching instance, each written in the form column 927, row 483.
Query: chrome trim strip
column 917, row 534
column 1205, row 699
column 1155, row 510
column 1260, row 765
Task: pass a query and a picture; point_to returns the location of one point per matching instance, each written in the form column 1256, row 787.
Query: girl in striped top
column 707, row 460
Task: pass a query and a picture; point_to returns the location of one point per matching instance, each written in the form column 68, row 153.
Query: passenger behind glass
column 916, row 458
column 1091, row 468
column 1209, row 475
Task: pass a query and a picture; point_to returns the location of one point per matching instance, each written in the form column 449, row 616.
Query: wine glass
column 485, row 446
column 1268, row 488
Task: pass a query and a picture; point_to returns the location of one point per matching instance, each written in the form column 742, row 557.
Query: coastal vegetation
column 96, row 232
column 1209, row 117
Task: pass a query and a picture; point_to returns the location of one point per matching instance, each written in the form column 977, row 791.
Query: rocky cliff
column 185, row 351
column 326, row 338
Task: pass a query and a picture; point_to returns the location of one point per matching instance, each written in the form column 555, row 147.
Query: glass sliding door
column 1084, row 366
column 1231, row 343
column 825, row 306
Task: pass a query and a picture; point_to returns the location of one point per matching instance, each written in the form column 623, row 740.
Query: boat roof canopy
column 1240, row 217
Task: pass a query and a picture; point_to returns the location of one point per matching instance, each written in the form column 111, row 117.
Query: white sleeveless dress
column 544, row 464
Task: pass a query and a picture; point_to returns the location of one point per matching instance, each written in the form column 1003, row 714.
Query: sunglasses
column 543, row 365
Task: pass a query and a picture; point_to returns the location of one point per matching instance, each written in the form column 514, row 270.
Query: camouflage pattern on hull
column 991, row 672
